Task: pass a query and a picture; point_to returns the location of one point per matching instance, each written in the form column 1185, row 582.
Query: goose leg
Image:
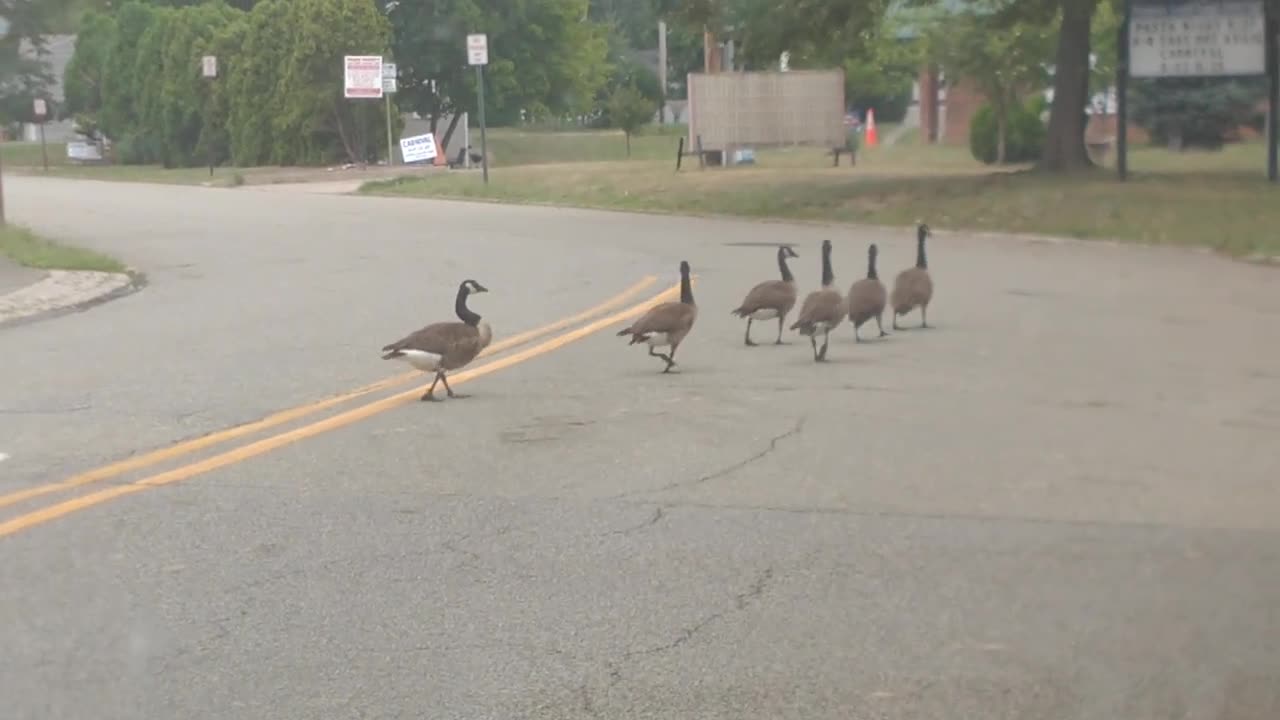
column 449, row 390
column 857, row 333
column 747, row 338
column 924, row 316
column 429, row 396
column 671, row 359
column 895, row 319
column 813, row 340
column 826, row 338
column 665, row 358
column 779, row 340
column 880, row 326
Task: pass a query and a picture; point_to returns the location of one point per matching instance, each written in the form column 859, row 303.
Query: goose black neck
column 465, row 314
column 871, row 266
column 828, row 277
column 782, row 266
column 921, row 261
column 686, row 288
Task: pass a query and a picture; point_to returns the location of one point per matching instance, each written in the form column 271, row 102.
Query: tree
column 24, row 73
column 545, row 58
column 629, row 110
column 1004, row 58
column 1193, row 112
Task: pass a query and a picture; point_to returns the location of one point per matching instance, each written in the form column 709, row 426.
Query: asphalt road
column 1059, row 503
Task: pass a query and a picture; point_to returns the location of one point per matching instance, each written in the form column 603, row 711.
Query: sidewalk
column 14, row 276
column 26, row 293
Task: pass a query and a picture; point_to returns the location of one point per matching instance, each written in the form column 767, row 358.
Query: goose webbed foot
column 429, row 396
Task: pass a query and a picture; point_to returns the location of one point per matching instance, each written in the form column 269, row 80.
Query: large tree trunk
column 1064, row 148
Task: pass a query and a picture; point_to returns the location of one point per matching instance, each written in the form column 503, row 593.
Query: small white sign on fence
column 362, row 76
column 209, row 66
column 478, row 49
column 418, row 148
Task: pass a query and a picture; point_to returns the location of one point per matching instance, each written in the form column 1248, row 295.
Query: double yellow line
column 347, row 417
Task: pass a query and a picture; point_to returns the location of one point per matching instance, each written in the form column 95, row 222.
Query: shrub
column 1024, row 137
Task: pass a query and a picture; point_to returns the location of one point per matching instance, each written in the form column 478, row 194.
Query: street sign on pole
column 40, row 107
column 478, row 49
column 388, row 88
column 209, row 66
column 478, row 55
column 362, row 77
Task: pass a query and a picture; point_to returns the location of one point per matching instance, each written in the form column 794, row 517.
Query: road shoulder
column 64, row 291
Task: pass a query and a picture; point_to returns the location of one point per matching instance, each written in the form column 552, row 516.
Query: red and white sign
column 478, row 49
column 362, row 76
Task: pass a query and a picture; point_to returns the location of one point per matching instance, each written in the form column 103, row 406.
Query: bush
column 1024, row 139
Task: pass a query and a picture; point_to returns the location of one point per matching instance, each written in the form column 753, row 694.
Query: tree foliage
column 25, row 76
column 1192, row 112
column 136, row 74
column 1004, row 57
column 629, row 110
column 546, row 58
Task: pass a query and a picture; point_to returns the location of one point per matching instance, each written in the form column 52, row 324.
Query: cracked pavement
column 1059, row 503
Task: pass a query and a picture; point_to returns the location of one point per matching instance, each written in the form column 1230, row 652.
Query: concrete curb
column 66, row 291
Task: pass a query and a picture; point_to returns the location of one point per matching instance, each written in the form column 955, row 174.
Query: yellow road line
column 138, row 462
column 244, row 452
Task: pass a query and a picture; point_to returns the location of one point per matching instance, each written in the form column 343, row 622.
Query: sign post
column 362, row 80
column 1190, row 38
column 388, row 89
column 209, row 71
column 41, row 109
column 478, row 55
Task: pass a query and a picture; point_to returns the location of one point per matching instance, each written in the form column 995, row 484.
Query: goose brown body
column 913, row 288
column 823, row 310
column 666, row 324
column 868, row 297
column 444, row 346
column 771, row 298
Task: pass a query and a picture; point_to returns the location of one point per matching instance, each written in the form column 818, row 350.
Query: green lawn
column 1219, row 200
column 26, row 248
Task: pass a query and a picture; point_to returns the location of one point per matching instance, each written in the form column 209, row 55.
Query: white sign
column 418, row 148
column 477, row 49
column 388, row 77
column 1197, row 38
column 40, row 107
column 81, row 150
column 209, row 66
column 362, row 76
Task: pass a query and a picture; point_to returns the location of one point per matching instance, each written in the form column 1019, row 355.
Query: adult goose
column 771, row 298
column 913, row 287
column 666, row 324
column 823, row 309
column 867, row 297
column 445, row 346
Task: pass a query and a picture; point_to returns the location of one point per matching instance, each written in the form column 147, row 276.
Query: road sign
column 1197, row 38
column 362, row 76
column 40, row 107
column 418, row 148
column 209, row 66
column 388, row 77
column 478, row 49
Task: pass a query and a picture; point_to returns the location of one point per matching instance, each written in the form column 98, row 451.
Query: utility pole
column 662, row 70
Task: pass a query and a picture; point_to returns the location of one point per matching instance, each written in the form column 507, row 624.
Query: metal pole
column 391, row 153
column 1122, row 97
column 2, row 220
column 484, row 147
column 1273, row 96
column 44, row 149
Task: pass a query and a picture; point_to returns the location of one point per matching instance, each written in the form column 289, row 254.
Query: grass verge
column 26, row 248
column 1212, row 203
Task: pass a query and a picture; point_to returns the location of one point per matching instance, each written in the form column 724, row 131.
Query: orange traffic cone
column 872, row 138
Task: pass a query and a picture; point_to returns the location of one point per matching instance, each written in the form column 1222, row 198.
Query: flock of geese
column 446, row 346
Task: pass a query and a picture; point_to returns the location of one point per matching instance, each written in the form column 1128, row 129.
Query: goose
column 666, row 324
column 823, row 309
column 771, row 298
column 913, row 287
column 444, row 346
column 867, row 297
